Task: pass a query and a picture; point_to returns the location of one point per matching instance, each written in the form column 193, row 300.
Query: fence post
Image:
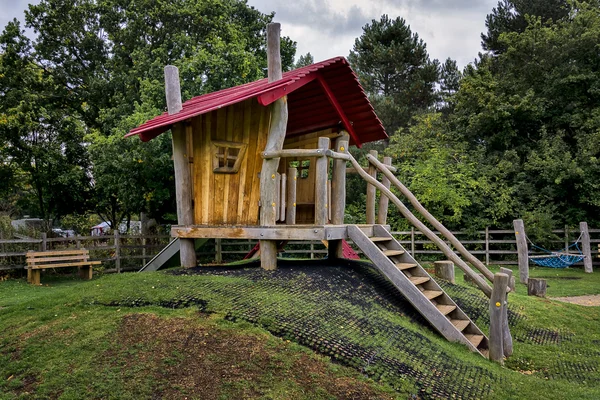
column 117, row 251
column 371, row 191
column 522, row 250
column 77, row 242
column 44, row 243
column 412, row 241
column 587, row 250
column 218, row 254
column 487, row 246
column 497, row 303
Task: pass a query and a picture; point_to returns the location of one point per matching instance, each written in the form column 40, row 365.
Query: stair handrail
column 431, row 219
column 480, row 282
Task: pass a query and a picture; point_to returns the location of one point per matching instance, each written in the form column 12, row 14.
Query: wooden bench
column 39, row 260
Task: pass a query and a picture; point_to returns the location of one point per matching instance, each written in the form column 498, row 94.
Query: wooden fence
column 130, row 252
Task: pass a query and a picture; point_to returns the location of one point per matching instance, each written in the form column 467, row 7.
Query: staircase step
column 432, row 294
column 403, row 266
column 380, row 239
column 446, row 309
column 460, row 324
column 417, row 280
column 392, row 253
column 474, row 339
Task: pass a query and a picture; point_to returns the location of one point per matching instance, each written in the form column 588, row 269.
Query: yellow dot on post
column 498, row 304
column 273, row 176
column 273, row 204
column 294, row 204
column 342, row 148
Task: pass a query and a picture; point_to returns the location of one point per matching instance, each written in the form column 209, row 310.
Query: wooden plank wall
column 305, row 189
column 229, row 199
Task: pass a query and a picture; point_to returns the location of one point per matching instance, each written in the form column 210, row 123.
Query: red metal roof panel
column 318, row 94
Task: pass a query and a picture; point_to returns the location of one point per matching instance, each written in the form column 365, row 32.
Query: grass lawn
column 252, row 335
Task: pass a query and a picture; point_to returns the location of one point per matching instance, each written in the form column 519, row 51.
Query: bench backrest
column 49, row 258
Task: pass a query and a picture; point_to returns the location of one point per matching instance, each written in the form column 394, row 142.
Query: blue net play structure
column 558, row 259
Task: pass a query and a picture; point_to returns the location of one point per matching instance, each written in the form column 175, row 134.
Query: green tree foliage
column 100, row 64
column 42, row 142
column 304, row 60
column 534, row 111
column 511, row 16
column 394, row 68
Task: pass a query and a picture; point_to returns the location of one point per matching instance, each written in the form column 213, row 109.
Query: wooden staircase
column 428, row 298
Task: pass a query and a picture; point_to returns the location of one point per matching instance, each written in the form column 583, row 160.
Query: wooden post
column 383, row 200
column 117, row 251
column 412, row 241
column 78, row 242
column 282, row 199
column 183, row 178
column 371, row 191
column 278, row 196
column 44, row 243
column 144, row 232
column 487, row 246
column 338, row 194
column 536, row 287
column 522, row 250
column 275, row 139
column 218, row 249
column 567, row 238
column 321, row 174
column 497, row 303
column 507, row 341
column 290, row 216
column 585, row 247
column 445, row 270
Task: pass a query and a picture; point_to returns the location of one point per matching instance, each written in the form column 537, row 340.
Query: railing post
column 117, row 251
column 338, row 195
column 292, row 177
column 522, row 250
column 412, row 241
column 507, row 341
column 586, row 248
column 384, row 201
column 371, row 191
column 321, row 176
column 497, row 304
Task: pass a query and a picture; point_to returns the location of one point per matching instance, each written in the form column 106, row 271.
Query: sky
column 328, row 28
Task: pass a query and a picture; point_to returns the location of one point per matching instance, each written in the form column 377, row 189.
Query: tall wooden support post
column 586, row 248
column 183, row 176
column 522, row 250
column 268, row 174
column 371, row 191
column 338, row 195
column 507, row 341
column 321, row 176
column 384, row 201
column 497, row 303
column 292, row 180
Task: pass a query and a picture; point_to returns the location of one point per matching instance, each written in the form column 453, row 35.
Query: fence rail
column 130, row 252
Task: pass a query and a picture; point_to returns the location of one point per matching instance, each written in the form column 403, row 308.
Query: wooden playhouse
column 268, row 160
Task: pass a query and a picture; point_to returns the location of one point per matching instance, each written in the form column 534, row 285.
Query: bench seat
column 40, row 260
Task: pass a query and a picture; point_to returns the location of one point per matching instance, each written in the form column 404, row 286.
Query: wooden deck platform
column 278, row 232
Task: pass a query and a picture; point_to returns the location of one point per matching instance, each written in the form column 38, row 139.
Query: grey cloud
column 443, row 6
column 316, row 14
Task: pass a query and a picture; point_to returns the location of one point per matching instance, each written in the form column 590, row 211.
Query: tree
column 395, row 70
column 41, row 140
column 103, row 61
column 511, row 16
column 304, row 60
column 449, row 83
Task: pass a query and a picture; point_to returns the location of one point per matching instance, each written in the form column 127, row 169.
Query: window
column 303, row 168
column 227, row 156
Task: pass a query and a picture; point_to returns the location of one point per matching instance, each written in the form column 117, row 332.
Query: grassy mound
column 202, row 333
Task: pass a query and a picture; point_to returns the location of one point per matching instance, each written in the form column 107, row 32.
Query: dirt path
column 589, row 300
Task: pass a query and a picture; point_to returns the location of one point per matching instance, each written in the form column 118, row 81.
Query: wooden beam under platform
column 279, row 232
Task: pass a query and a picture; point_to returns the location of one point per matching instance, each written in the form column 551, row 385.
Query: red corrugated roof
column 320, row 96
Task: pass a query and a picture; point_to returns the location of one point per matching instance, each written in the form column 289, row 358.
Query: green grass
column 61, row 340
